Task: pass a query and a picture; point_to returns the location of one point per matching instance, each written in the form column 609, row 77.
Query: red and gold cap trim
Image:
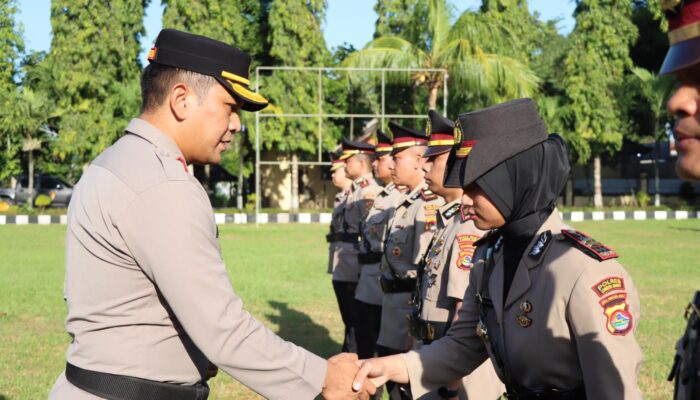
column 337, row 164
column 349, row 153
column 684, row 33
column 383, row 147
column 465, row 148
column 441, row 139
column 403, row 142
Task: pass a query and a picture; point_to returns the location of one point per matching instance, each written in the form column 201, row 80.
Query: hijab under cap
column 525, row 188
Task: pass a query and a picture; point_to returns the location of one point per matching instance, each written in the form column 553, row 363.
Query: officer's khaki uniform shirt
column 580, row 328
column 336, row 227
column 447, row 263
column 359, row 201
column 373, row 233
column 407, row 240
column 147, row 290
column 445, row 278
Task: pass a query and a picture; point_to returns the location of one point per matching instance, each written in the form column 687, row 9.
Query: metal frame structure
column 321, row 115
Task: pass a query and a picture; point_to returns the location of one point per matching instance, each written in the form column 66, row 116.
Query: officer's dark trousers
column 396, row 391
column 369, row 321
column 345, row 294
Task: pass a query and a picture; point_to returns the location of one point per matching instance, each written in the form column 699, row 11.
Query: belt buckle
column 482, row 331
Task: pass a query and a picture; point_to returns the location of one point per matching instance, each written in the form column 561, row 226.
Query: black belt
column 330, row 237
column 427, row 331
column 549, row 394
column 347, row 237
column 372, row 257
column 407, row 285
column 121, row 387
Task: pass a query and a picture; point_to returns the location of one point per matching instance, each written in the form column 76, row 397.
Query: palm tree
column 491, row 76
column 25, row 114
column 655, row 91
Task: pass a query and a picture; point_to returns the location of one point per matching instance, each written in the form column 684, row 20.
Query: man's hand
column 380, row 370
column 338, row 384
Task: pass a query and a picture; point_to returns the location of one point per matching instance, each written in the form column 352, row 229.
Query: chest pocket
column 375, row 223
column 400, row 235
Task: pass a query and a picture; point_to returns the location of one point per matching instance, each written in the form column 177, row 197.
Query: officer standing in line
column 358, row 157
column 150, row 305
column 407, row 240
column 343, row 184
column 369, row 293
column 683, row 62
column 550, row 306
column 444, row 272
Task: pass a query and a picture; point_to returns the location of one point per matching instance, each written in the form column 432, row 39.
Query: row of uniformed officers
column 550, row 306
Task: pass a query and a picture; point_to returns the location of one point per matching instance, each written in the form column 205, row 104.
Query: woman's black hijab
column 525, row 188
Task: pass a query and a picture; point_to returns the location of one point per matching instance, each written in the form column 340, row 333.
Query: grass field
column 280, row 273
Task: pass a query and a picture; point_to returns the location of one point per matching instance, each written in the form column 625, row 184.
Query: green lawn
column 280, row 273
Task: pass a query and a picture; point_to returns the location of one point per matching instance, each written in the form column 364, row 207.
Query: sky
column 347, row 21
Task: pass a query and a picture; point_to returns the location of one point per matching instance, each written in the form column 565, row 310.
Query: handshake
column 347, row 377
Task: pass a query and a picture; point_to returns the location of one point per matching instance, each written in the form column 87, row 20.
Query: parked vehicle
column 56, row 188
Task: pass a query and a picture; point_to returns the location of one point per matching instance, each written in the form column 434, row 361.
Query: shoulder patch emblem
column 609, row 284
column 466, row 251
column 619, row 320
column 589, row 245
column 540, row 244
column 427, row 194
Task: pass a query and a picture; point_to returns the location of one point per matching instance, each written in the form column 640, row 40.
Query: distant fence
column 325, row 218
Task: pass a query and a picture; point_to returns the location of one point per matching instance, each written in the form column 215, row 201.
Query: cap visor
column 681, row 55
column 454, row 171
column 436, row 150
column 251, row 101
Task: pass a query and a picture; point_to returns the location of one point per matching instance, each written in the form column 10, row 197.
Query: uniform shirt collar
column 448, row 211
column 142, row 128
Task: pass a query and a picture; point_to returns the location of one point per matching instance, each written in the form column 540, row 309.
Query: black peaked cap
column 384, row 143
column 406, row 137
column 350, row 148
column 227, row 64
column 441, row 131
column 491, row 136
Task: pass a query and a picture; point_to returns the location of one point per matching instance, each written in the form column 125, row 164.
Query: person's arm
column 604, row 327
column 171, row 233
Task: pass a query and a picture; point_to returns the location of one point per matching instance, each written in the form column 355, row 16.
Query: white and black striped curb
column 325, row 218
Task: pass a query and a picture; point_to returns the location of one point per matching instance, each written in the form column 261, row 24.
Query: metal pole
column 257, row 153
column 444, row 93
column 381, row 126
column 320, row 112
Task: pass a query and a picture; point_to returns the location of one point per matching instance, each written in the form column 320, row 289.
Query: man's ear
column 178, row 101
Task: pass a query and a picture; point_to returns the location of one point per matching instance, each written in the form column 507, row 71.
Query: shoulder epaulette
column 415, row 196
column 427, row 194
column 589, row 245
column 452, row 211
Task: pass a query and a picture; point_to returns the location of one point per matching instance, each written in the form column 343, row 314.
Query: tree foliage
column 92, row 73
column 594, row 73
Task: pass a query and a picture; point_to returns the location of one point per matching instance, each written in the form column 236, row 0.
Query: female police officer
column 550, row 306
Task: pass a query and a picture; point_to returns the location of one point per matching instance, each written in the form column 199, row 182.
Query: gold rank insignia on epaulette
column 428, row 194
column 589, row 245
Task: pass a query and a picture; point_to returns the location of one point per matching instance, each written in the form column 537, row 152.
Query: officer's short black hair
column 367, row 158
column 158, row 79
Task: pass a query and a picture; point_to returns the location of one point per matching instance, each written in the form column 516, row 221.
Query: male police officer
column 343, row 184
column 358, row 168
column 444, row 271
column 407, row 240
column 683, row 61
column 150, row 304
column 369, row 292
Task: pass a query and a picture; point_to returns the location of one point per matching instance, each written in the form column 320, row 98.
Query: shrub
column 643, row 198
column 42, row 201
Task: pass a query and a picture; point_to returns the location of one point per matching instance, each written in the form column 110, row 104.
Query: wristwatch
column 447, row 393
